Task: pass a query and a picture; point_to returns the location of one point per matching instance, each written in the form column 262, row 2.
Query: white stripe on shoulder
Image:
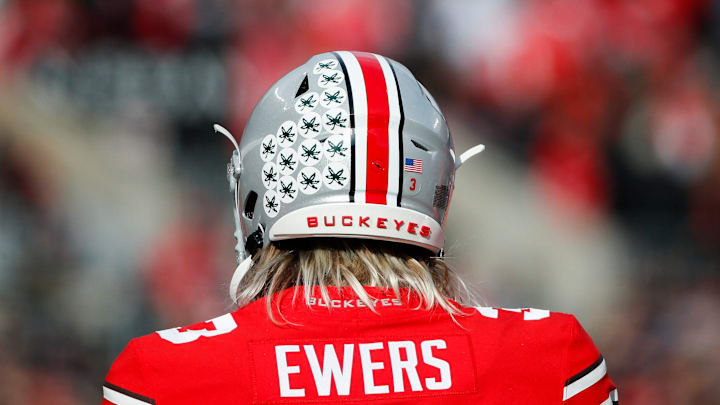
column 359, row 95
column 118, row 398
column 612, row 399
column 585, row 382
column 393, row 131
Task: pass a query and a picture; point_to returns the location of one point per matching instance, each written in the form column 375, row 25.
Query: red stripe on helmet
column 378, row 111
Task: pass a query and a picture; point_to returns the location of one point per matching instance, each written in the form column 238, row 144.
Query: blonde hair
column 355, row 263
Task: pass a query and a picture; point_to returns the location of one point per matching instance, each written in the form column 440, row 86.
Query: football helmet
column 348, row 145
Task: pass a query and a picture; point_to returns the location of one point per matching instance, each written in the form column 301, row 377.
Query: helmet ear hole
column 249, row 206
column 254, row 241
column 304, row 87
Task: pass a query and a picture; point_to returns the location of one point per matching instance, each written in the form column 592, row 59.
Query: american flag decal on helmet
column 413, row 165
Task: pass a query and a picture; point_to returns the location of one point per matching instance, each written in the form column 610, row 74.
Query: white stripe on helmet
column 357, row 82
column 393, row 132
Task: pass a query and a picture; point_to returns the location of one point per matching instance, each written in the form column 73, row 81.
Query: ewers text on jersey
column 344, row 352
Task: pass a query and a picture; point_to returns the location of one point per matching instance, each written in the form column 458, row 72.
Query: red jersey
column 338, row 350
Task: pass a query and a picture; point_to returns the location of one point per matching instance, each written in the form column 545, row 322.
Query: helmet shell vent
column 250, row 201
column 419, row 145
column 304, row 87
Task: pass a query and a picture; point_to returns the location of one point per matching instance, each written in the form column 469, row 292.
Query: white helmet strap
column 237, row 277
column 234, row 172
column 465, row 156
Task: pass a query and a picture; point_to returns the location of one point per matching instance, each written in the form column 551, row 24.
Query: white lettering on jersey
column 331, row 369
column 214, row 327
column 355, row 303
column 368, row 367
column 409, row 365
column 403, row 357
column 444, row 367
column 284, row 371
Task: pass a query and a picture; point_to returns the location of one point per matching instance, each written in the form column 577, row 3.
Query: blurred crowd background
column 598, row 194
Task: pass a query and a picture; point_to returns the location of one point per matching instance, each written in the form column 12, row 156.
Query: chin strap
column 465, row 156
column 245, row 265
column 238, row 275
column 234, row 170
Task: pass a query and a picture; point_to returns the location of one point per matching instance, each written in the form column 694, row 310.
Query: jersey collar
column 343, row 302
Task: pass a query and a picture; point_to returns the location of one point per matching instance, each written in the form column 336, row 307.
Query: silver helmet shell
column 347, row 145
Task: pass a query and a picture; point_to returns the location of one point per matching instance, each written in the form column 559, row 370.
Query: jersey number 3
column 216, row 326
